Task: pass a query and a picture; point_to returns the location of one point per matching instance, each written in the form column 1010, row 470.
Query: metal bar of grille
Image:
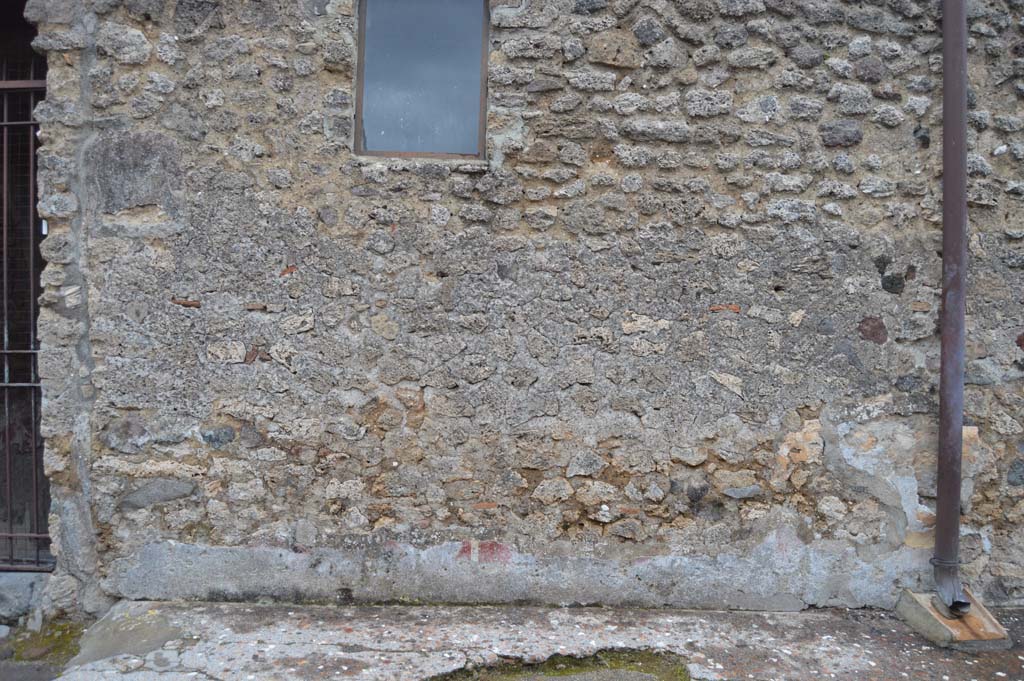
column 33, row 220
column 24, row 536
column 22, row 84
column 8, row 459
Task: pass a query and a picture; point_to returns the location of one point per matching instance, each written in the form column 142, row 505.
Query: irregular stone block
column 158, row 491
column 52, row 11
column 592, row 81
column 339, row 56
column 748, row 492
column 588, row 6
column 146, row 10
column 752, row 58
column 229, row 352
column 737, row 8
column 59, row 41
column 552, row 491
column 645, row 130
column 125, row 44
column 129, row 170
column 707, row 103
column 127, row 435
column 19, row 593
column 806, row 56
column 615, row 48
column 649, row 31
column 192, row 16
column 531, row 47
column 842, row 133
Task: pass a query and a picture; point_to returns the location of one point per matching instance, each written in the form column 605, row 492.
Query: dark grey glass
column 421, row 76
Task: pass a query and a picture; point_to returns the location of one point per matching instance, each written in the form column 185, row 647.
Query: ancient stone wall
column 673, row 343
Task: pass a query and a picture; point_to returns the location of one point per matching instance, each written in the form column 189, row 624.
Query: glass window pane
column 421, row 75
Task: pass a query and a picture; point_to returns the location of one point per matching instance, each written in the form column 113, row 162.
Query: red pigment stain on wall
column 486, row 552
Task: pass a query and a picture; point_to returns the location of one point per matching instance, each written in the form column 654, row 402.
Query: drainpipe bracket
column 976, row 630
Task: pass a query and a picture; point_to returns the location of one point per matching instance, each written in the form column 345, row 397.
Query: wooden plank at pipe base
column 978, row 630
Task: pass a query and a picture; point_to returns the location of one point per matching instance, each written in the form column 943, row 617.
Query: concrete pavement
column 146, row 641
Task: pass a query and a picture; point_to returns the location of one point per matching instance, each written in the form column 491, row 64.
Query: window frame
column 357, row 141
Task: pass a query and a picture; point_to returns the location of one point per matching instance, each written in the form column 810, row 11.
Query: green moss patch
column 661, row 666
column 55, row 643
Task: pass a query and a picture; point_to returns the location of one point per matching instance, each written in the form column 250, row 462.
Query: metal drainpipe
column 954, row 275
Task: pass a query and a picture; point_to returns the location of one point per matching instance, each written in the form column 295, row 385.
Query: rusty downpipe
column 954, row 283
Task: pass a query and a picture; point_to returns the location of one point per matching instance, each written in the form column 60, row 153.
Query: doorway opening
column 24, row 492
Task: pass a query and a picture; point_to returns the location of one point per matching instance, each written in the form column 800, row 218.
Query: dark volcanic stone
column 588, row 6
column 219, row 437
column 1015, row 476
column 648, row 31
column 841, row 133
column 869, row 69
column 894, row 283
column 189, row 15
column 923, row 137
column 873, row 329
column 730, row 36
column 806, row 56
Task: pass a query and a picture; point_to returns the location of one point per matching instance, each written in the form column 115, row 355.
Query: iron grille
column 24, row 493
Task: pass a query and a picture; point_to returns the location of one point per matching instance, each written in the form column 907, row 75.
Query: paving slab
column 149, row 641
column 27, row 671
